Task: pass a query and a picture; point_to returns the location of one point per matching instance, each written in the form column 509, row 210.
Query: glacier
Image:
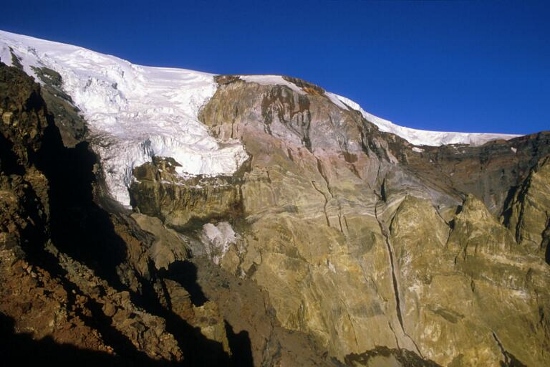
column 135, row 113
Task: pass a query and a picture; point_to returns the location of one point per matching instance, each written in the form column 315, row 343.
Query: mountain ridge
column 109, row 92
column 334, row 243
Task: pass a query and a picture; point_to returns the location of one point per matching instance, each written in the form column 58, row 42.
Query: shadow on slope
column 185, row 273
column 197, row 349
column 79, row 227
column 83, row 230
column 21, row 350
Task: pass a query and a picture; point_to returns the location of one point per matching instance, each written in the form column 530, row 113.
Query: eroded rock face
column 458, row 283
column 335, row 244
column 362, row 241
column 491, row 172
column 528, row 216
column 161, row 193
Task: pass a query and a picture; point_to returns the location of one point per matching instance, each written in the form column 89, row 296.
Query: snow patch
column 271, row 80
column 336, row 99
column 217, row 240
column 331, row 266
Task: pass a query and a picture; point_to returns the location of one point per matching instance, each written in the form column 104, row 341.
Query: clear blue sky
column 475, row 66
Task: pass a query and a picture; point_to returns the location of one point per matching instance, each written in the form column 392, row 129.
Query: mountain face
column 159, row 216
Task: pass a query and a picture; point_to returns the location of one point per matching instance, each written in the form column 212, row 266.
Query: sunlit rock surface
column 328, row 240
column 363, row 240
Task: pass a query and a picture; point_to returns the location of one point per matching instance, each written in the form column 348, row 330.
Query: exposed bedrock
column 334, row 244
column 362, row 241
column 528, row 215
column 365, row 242
column 159, row 191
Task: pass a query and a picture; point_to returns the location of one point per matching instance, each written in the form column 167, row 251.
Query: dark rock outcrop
column 77, row 281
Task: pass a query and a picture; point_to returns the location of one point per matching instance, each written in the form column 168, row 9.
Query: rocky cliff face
column 362, row 240
column 85, row 281
column 334, row 244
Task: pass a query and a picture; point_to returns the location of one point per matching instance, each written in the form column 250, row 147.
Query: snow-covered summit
column 141, row 112
column 423, row 137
